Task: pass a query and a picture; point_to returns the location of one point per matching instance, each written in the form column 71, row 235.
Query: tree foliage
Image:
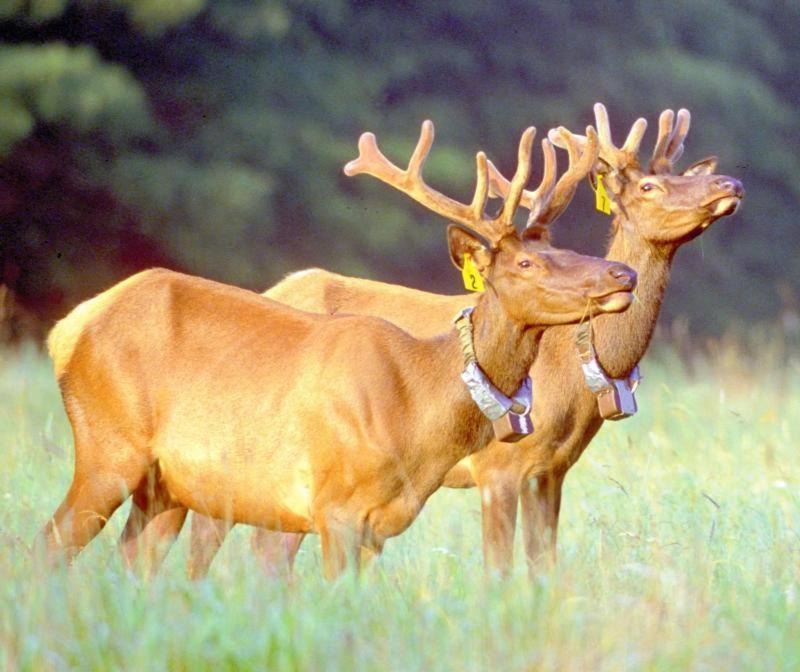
column 211, row 136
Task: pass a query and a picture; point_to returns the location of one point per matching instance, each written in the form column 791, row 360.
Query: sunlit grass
column 679, row 549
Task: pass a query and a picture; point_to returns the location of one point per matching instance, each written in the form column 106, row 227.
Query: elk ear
column 705, row 166
column 536, row 231
column 611, row 178
column 461, row 242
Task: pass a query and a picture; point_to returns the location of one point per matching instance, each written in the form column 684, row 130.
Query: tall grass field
column 679, row 549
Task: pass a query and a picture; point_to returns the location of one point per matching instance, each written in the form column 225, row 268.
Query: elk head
column 535, row 283
column 543, row 285
column 663, row 207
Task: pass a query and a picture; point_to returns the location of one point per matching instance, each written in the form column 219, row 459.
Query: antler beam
column 409, row 181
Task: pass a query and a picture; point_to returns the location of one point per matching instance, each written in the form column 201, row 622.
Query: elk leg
column 91, row 500
column 341, row 545
column 153, row 525
column 498, row 520
column 206, row 539
column 540, row 506
column 370, row 551
column 108, row 467
column 80, row 517
column 276, row 551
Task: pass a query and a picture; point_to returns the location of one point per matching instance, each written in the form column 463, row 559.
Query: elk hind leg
column 98, row 488
column 153, row 525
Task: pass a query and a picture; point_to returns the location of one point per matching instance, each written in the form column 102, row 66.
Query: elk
column 655, row 211
column 190, row 394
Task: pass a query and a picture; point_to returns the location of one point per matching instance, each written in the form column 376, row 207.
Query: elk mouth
column 613, row 302
column 725, row 204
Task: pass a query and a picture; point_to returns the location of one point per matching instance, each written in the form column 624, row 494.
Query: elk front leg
column 499, row 495
column 341, row 544
column 540, row 501
column 207, row 535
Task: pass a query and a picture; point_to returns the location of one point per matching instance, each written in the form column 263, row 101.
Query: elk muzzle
column 728, row 192
column 614, row 290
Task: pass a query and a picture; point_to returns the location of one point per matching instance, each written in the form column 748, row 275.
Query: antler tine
column 675, row 148
column 603, row 125
column 634, row 139
column 659, row 162
column 669, row 145
column 582, row 157
column 420, row 152
column 481, row 186
column 517, row 186
column 623, row 157
column 534, row 200
column 538, row 199
column 372, row 162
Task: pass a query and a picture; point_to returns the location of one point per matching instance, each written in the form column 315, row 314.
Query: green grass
column 679, row 549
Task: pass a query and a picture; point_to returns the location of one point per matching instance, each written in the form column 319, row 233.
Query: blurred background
column 210, row 137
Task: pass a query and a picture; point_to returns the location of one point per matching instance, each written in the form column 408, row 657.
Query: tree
column 214, row 133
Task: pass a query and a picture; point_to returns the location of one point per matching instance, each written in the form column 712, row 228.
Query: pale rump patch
column 297, row 275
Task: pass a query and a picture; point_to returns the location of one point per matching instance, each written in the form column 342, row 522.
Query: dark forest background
column 210, row 136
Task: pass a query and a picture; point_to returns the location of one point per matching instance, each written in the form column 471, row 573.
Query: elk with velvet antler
column 189, row 394
column 655, row 211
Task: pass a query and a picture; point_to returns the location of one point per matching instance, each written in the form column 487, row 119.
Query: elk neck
column 505, row 349
column 505, row 352
column 621, row 339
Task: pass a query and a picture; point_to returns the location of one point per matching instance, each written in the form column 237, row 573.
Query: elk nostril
column 626, row 276
column 731, row 184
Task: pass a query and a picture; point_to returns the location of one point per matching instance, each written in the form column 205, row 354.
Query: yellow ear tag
column 601, row 200
column 472, row 279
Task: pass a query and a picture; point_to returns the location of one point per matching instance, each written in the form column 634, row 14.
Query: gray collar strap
column 615, row 395
column 492, row 402
column 596, row 378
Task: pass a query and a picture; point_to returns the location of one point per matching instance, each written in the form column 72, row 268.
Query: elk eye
column 525, row 263
column 647, row 186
